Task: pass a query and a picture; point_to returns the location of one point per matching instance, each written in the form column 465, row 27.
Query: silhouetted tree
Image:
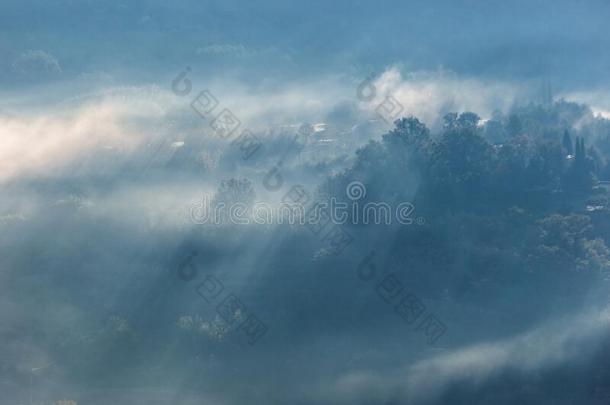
column 514, row 126
column 567, row 143
column 579, row 177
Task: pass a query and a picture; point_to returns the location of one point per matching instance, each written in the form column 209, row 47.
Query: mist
column 307, row 203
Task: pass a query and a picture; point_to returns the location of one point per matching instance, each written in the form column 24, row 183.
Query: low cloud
column 556, row 345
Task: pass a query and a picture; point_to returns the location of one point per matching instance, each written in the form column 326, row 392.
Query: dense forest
column 516, row 231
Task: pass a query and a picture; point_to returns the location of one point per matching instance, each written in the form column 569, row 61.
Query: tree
column 579, row 177
column 567, row 143
column 466, row 120
column 461, row 162
column 409, row 131
column 546, row 165
column 514, row 126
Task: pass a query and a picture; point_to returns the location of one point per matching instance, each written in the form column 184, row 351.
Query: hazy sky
column 266, row 40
